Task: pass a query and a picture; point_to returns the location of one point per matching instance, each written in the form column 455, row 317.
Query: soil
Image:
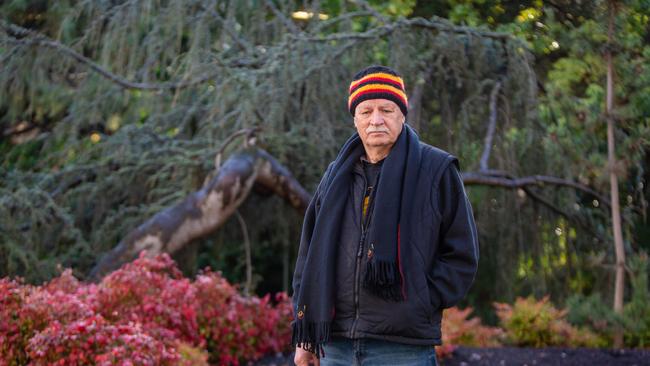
column 511, row 356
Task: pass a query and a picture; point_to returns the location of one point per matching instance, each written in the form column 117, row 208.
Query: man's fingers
column 314, row 359
column 305, row 358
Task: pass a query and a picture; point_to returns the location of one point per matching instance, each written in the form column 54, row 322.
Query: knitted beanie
column 377, row 82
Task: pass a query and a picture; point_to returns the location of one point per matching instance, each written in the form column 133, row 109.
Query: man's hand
column 304, row 358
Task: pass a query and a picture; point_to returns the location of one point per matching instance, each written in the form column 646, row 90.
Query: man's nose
column 376, row 118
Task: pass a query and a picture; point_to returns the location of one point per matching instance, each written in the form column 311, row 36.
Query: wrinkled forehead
column 377, row 103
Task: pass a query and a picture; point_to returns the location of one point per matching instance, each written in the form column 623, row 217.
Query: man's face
column 378, row 122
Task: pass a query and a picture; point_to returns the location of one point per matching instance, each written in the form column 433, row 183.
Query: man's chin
column 377, row 142
column 377, row 137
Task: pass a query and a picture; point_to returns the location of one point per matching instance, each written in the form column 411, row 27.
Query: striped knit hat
column 377, row 82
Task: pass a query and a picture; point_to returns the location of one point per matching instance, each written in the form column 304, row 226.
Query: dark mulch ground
column 510, row 356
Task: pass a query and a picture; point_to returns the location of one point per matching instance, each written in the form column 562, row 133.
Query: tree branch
column 286, row 21
column 415, row 100
column 480, row 178
column 367, row 7
column 28, row 37
column 492, row 123
column 23, row 36
column 276, row 178
column 204, row 211
column 226, row 25
column 437, row 25
column 540, row 199
column 340, row 18
column 247, row 250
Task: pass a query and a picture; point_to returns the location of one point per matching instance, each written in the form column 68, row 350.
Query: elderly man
column 388, row 240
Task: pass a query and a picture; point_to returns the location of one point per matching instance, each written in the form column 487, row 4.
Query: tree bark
column 619, row 286
column 204, row 211
column 492, row 125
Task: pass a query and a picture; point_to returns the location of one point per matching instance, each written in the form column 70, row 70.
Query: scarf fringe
column 383, row 279
column 310, row 335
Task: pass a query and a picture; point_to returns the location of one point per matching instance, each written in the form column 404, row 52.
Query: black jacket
column 440, row 264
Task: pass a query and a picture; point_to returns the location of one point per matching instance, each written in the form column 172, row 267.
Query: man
column 388, row 240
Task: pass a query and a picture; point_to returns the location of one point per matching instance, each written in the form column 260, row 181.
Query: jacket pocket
column 434, row 297
column 423, row 297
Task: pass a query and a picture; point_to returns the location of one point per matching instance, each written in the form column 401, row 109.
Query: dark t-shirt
column 372, row 180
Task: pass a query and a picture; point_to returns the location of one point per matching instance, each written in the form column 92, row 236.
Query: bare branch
column 480, row 178
column 247, row 252
column 492, row 124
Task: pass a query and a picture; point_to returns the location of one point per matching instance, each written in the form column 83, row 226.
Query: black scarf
column 384, row 276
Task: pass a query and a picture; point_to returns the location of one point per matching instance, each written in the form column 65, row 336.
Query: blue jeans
column 372, row 352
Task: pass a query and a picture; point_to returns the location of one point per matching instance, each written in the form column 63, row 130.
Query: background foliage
column 88, row 156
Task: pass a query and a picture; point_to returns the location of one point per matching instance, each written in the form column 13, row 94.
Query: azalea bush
column 145, row 313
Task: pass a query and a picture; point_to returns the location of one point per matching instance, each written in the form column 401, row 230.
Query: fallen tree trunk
column 207, row 209
column 204, row 211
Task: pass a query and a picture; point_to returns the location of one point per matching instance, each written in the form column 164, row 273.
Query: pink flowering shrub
column 154, row 293
column 236, row 327
column 95, row 341
column 14, row 331
column 26, row 310
column 145, row 313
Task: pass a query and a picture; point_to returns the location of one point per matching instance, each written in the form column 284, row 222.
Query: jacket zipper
column 357, row 267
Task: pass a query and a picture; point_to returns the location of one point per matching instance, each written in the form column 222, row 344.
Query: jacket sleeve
column 305, row 236
column 456, row 261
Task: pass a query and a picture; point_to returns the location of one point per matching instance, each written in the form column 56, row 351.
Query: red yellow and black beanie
column 377, row 82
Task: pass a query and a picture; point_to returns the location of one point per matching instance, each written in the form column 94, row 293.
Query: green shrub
column 636, row 313
column 592, row 312
column 532, row 323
